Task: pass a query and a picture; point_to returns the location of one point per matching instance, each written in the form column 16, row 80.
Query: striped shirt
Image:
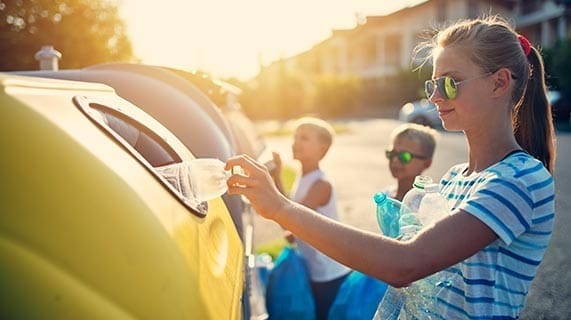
column 515, row 198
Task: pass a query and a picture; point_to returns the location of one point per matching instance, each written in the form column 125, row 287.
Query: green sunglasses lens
column 445, row 85
column 405, row 157
column 449, row 87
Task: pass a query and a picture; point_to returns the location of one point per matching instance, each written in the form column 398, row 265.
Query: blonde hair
column 425, row 136
column 321, row 127
column 492, row 43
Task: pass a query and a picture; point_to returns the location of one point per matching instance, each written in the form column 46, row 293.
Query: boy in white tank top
column 312, row 140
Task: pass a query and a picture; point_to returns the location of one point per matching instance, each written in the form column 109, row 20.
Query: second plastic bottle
column 388, row 214
column 409, row 222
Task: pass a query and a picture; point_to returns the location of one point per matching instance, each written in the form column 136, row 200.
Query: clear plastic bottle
column 388, row 214
column 433, row 205
column 391, row 305
column 412, row 198
column 208, row 178
column 409, row 222
column 409, row 225
column 426, row 206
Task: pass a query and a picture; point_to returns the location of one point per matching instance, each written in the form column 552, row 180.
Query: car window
column 148, row 148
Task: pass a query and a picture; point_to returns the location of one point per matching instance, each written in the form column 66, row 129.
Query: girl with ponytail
column 488, row 82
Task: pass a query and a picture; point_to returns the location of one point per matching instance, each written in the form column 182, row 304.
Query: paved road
column 358, row 168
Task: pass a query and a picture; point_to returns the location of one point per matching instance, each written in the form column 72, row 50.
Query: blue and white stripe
column 515, row 198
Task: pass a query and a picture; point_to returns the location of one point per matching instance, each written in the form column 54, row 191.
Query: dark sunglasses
column 447, row 86
column 404, row 157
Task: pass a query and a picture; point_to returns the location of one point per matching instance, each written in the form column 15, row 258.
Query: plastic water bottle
column 433, row 205
column 208, row 178
column 414, row 196
column 388, row 214
column 391, row 305
column 421, row 206
column 409, row 221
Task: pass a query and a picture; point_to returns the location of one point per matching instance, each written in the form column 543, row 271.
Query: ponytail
column 533, row 125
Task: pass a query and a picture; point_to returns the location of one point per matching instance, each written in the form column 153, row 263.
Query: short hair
column 323, row 129
column 424, row 135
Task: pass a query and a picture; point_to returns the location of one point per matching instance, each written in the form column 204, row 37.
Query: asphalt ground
column 357, row 166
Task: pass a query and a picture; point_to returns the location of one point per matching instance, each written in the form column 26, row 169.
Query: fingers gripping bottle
column 388, row 214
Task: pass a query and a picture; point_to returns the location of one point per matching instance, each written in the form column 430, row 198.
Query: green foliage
column 336, row 95
column 273, row 248
column 277, row 93
column 394, row 91
column 86, row 32
column 558, row 64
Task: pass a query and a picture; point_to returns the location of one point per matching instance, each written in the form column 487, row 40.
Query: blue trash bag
column 288, row 291
column 358, row 297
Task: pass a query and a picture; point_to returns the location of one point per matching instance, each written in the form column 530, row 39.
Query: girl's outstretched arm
column 449, row 241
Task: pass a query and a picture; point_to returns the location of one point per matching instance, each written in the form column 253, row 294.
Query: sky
column 231, row 38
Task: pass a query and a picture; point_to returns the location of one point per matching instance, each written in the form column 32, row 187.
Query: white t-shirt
column 321, row 268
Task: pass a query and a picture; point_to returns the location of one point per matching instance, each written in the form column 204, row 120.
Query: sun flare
column 232, row 38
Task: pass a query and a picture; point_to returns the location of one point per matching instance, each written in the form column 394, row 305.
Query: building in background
column 381, row 47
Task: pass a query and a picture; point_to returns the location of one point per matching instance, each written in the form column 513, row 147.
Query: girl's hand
column 257, row 185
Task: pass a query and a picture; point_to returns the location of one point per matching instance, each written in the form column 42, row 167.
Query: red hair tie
column 525, row 44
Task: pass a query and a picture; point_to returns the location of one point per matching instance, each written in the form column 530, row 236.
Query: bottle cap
column 379, row 197
column 421, row 181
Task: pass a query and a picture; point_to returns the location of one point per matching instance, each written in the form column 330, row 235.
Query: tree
column 558, row 64
column 86, row 32
column 336, row 95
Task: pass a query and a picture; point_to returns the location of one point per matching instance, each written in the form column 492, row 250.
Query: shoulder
column 321, row 186
column 511, row 195
column 318, row 194
column 521, row 170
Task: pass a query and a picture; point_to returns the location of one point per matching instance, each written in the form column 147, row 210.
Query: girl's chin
column 450, row 127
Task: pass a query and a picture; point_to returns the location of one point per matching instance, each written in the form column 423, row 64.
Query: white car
column 422, row 112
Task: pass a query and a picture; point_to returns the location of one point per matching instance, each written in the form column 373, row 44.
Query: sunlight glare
column 232, row 38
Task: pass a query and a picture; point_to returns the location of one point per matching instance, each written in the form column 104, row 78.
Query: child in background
column 312, row 140
column 409, row 155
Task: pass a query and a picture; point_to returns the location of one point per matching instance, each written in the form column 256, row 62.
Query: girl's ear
column 502, row 81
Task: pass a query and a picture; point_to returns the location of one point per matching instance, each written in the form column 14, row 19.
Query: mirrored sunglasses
column 404, row 157
column 446, row 86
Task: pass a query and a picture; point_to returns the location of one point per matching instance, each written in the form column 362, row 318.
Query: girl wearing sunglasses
column 409, row 155
column 489, row 83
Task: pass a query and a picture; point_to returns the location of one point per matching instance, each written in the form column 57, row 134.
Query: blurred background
column 331, row 58
column 345, row 61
